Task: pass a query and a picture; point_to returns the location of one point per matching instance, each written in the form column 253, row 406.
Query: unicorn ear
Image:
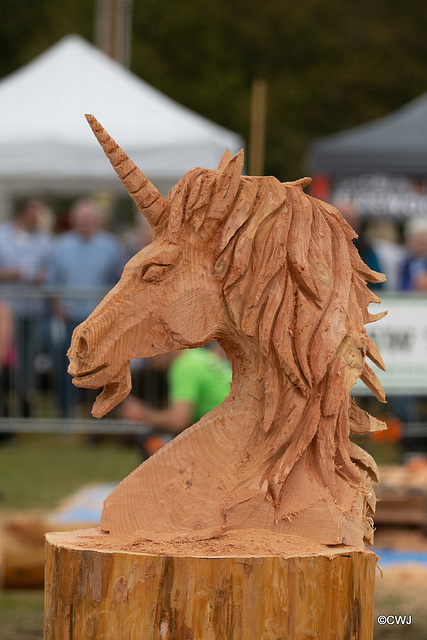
column 225, row 159
column 145, row 195
column 228, row 182
column 302, row 182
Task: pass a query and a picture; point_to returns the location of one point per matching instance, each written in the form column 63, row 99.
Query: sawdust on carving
column 243, row 543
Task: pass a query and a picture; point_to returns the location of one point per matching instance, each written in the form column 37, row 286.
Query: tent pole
column 257, row 127
column 113, row 29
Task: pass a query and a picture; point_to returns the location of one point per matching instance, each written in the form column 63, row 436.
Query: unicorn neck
column 247, row 388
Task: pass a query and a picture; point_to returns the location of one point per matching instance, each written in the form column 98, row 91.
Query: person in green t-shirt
column 198, row 381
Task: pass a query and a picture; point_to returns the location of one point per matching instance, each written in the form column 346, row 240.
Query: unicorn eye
column 153, row 272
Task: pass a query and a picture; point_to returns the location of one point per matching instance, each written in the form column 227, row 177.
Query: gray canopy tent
column 395, row 144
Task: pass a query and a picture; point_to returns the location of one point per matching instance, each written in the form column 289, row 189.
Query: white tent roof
column 47, row 145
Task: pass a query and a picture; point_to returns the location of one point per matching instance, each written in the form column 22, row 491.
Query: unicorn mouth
column 113, row 393
column 92, row 379
column 92, row 371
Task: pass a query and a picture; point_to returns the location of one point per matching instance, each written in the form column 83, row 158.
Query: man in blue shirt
column 85, row 260
column 414, row 270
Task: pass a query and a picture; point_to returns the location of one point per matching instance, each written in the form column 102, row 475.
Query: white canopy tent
column 48, row 147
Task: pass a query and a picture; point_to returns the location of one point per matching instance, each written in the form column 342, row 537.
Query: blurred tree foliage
column 328, row 65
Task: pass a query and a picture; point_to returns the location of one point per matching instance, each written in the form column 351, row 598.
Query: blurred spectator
column 5, row 334
column 85, row 259
column 25, row 251
column 198, row 381
column 6, row 360
column 351, row 214
column 383, row 237
column 414, row 272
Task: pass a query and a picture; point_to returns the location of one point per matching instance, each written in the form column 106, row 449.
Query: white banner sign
column 401, row 338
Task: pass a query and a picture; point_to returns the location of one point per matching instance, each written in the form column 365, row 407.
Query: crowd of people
column 51, row 279
column 399, row 251
column 49, row 283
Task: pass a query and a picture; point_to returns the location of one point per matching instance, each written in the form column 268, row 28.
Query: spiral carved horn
column 147, row 198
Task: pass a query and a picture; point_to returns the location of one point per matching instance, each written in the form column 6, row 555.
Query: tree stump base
column 243, row 585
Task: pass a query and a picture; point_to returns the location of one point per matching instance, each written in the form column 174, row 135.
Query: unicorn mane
column 294, row 281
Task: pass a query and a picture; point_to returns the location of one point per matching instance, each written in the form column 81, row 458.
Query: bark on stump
column 99, row 591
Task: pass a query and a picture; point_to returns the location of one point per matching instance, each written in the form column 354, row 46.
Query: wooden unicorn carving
column 271, row 274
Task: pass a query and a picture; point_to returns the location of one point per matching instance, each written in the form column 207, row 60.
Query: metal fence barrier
column 36, row 392
column 67, row 426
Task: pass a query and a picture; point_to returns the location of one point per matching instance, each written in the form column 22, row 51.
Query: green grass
column 21, row 615
column 38, row 471
column 402, row 591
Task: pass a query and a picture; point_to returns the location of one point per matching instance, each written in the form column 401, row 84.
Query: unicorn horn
column 147, row 198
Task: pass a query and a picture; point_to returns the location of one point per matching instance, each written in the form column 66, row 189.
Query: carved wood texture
column 271, row 274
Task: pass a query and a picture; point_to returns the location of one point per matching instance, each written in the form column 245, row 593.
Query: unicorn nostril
column 82, row 347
